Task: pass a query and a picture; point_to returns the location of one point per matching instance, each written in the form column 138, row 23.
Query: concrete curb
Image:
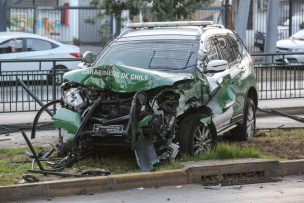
column 195, row 172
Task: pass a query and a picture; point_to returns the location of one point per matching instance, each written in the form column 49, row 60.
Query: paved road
column 290, row 189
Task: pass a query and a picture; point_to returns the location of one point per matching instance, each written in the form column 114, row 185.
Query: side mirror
column 201, row 55
column 88, row 57
column 216, row 66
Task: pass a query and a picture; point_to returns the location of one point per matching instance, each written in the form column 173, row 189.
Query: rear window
column 38, row 45
column 11, row 46
column 153, row 54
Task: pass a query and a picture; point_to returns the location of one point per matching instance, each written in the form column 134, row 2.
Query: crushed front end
column 145, row 120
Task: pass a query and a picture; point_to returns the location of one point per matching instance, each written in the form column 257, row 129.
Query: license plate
column 110, row 129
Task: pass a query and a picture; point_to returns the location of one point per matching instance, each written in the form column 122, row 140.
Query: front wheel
column 194, row 137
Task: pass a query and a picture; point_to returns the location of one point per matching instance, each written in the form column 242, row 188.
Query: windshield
column 169, row 54
column 299, row 35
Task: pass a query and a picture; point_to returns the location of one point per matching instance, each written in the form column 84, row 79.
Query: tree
column 176, row 9
column 161, row 10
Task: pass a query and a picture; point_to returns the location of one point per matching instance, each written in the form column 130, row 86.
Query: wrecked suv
column 161, row 88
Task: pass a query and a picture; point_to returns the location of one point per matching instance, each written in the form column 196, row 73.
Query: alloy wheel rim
column 202, row 140
column 250, row 122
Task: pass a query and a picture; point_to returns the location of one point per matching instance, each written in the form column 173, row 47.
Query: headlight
column 73, row 98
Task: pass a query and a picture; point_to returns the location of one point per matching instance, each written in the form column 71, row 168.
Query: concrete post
column 2, row 16
column 242, row 19
column 271, row 26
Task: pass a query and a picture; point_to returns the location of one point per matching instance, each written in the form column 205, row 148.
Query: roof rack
column 215, row 26
column 169, row 24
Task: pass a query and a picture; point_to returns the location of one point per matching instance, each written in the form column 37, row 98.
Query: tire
column 57, row 79
column 246, row 130
column 194, row 137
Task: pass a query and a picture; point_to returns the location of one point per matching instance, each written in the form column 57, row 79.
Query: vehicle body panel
column 119, row 78
column 144, row 107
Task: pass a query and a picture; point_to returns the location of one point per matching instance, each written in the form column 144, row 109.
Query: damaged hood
column 120, row 78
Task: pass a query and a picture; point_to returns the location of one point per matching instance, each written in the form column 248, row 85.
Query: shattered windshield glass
column 166, row 54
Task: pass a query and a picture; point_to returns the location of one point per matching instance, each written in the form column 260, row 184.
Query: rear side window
column 11, row 46
column 235, row 45
column 38, row 45
column 225, row 50
column 212, row 53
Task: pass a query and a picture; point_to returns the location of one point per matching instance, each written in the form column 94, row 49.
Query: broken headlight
column 73, row 98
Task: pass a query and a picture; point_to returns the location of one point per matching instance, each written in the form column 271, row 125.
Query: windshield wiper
column 186, row 66
column 152, row 58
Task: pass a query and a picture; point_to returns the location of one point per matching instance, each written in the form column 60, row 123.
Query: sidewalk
column 292, row 106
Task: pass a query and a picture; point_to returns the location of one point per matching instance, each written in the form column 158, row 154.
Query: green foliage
column 176, row 9
column 157, row 10
column 161, row 10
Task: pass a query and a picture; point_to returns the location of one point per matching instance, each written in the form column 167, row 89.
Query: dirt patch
column 279, row 143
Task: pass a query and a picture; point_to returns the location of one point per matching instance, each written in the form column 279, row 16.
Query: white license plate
column 110, row 129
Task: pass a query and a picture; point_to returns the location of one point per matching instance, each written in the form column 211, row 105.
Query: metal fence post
column 242, row 19
column 35, row 20
column 290, row 17
column 226, row 11
column 2, row 16
column 54, row 84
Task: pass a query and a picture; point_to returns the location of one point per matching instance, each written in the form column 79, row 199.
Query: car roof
column 177, row 32
column 10, row 35
column 163, row 31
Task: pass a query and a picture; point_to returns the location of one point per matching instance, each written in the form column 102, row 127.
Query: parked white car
column 283, row 29
column 19, row 45
column 295, row 43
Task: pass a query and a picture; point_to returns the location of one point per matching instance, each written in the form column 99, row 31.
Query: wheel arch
column 200, row 110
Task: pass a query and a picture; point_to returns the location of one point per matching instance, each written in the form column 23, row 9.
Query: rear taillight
column 77, row 55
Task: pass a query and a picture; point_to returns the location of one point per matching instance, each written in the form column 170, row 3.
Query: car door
column 224, row 97
column 239, row 68
column 11, row 49
column 231, row 53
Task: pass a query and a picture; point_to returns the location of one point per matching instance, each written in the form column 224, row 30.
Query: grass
column 13, row 164
column 118, row 162
column 225, row 151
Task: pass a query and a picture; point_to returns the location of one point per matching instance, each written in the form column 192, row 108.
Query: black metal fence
column 279, row 76
column 44, row 82
column 291, row 20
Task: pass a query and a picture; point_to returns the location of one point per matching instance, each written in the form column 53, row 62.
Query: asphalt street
column 289, row 189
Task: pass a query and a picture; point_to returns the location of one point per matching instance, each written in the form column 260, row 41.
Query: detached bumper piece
column 29, row 178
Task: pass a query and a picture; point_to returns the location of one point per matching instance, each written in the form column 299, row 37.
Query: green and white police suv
column 161, row 88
